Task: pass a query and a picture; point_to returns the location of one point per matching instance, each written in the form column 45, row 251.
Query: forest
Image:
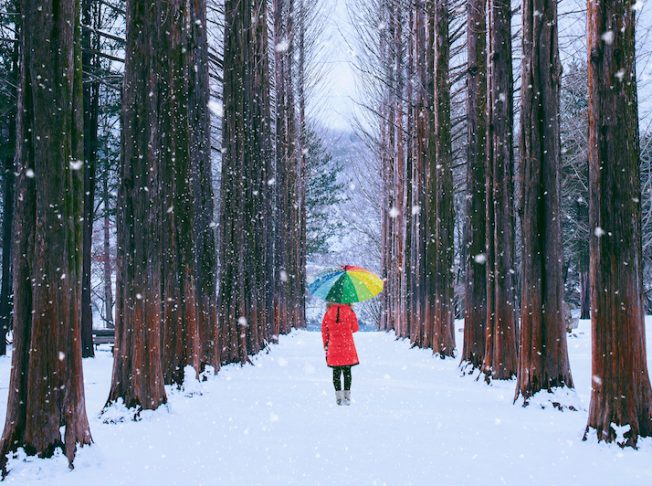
column 170, row 185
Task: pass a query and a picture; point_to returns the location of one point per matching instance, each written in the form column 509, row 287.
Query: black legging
column 337, row 377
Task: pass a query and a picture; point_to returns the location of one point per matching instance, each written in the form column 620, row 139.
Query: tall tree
column 441, row 173
column 46, row 389
column 543, row 354
column 137, row 377
column 8, row 98
column 620, row 389
column 475, row 287
column 243, row 303
column 91, row 90
column 202, row 176
column 500, row 345
column 181, row 346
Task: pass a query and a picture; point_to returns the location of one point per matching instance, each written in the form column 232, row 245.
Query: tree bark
column 137, row 378
column 620, row 394
column 91, row 111
column 543, row 354
column 475, row 285
column 181, row 346
column 443, row 336
column 8, row 185
column 243, row 289
column 46, row 389
column 106, row 249
column 202, row 175
column 500, row 345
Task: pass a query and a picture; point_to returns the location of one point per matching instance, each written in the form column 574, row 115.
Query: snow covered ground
column 414, row 420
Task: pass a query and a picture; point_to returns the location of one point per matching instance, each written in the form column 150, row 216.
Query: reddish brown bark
column 137, row 378
column 543, row 354
column 244, row 311
column 200, row 153
column 500, row 345
column 475, row 288
column 620, row 394
column 443, row 219
column 180, row 330
column 46, row 385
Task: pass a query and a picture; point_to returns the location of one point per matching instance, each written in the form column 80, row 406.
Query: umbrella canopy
column 346, row 285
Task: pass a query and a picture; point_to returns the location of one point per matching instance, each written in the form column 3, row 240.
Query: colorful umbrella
column 346, row 285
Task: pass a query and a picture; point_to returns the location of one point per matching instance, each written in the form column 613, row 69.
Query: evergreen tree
column 324, row 193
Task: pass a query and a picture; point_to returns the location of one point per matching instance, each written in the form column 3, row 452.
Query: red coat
column 337, row 328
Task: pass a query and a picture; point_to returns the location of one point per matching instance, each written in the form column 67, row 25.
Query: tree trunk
column 620, row 394
column 137, row 377
column 200, row 154
column 500, row 346
column 543, row 354
column 475, row 288
column 585, row 292
column 179, row 291
column 91, row 92
column 106, row 249
column 244, row 284
column 46, row 389
column 8, row 184
column 443, row 336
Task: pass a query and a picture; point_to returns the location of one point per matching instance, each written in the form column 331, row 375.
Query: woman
column 337, row 328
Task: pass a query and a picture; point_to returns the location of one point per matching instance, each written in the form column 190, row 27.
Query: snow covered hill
column 414, row 420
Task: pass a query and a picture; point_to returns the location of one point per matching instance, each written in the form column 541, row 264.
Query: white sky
column 337, row 90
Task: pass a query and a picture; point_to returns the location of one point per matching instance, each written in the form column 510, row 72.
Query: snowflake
column 76, row 164
column 394, row 212
column 282, row 46
column 599, row 232
column 608, row 37
column 480, row 258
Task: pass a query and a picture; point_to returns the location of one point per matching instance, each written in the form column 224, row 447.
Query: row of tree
column 186, row 301
column 510, row 270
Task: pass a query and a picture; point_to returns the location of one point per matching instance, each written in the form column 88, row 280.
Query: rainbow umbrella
column 346, row 285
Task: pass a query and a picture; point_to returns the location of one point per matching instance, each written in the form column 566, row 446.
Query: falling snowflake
column 283, row 275
column 271, row 181
column 62, row 355
column 502, row 97
column 599, row 232
column 416, row 210
column 480, row 258
column 620, row 74
column 282, row 46
column 29, row 173
column 608, row 37
column 394, row 212
column 242, row 321
column 139, row 296
column 76, row 164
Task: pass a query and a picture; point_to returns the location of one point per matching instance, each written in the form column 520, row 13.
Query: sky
column 335, row 95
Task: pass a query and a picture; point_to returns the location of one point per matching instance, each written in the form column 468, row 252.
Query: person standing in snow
column 337, row 328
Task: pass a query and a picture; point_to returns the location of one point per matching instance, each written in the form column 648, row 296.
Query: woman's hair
column 330, row 304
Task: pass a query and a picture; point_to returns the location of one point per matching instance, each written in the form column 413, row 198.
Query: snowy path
column 414, row 421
